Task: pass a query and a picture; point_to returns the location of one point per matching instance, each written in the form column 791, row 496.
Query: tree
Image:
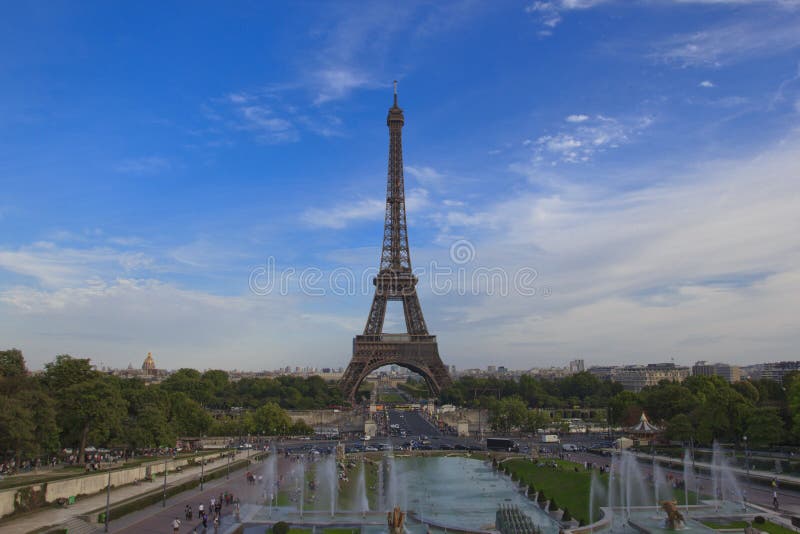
column 508, row 414
column 269, row 419
column 17, row 429
column 91, row 409
column 66, row 371
column 764, row 427
column 792, row 385
column 187, row 417
column 12, row 364
column 680, row 428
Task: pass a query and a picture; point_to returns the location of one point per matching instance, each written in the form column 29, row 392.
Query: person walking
column 200, row 511
column 176, row 526
column 775, row 499
column 188, row 512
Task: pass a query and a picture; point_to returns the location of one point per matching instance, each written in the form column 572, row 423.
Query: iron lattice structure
column 416, row 350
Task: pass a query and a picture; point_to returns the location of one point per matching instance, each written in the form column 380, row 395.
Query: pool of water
column 445, row 492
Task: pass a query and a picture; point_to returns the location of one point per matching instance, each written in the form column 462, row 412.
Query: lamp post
column 164, row 493
column 108, row 499
column 228, row 473
column 746, row 462
column 202, row 471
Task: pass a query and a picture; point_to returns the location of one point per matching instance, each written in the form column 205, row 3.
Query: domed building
column 149, row 365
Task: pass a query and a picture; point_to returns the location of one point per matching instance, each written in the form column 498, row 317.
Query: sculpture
column 674, row 516
column 395, row 519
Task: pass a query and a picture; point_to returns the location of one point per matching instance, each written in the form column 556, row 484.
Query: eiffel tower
column 415, row 350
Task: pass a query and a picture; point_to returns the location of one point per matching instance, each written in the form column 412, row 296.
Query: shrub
column 566, row 516
column 759, row 520
column 553, row 506
column 531, row 489
column 541, row 497
column 281, row 527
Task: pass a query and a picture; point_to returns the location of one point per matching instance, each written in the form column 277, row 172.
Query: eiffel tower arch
column 416, row 349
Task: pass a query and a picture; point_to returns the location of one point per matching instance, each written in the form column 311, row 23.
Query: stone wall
column 91, row 484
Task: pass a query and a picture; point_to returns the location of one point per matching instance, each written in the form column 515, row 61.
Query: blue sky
column 636, row 162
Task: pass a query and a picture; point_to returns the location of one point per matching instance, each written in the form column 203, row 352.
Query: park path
column 55, row 516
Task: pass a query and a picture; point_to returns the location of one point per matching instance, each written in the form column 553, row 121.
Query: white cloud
column 54, row 266
column 587, row 138
column 341, row 216
column 706, row 84
column 427, row 176
column 337, row 83
column 577, row 118
column 643, row 274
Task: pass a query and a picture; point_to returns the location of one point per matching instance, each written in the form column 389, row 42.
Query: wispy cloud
column 731, row 42
column 144, row 165
column 342, row 215
column 262, row 120
column 706, row 84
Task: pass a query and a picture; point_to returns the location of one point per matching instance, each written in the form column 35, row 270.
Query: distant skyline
column 639, row 160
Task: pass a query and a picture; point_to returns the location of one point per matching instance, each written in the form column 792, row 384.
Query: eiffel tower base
column 419, row 354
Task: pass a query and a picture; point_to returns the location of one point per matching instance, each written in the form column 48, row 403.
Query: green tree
column 680, row 428
column 66, row 371
column 12, row 364
column 508, row 414
column 764, row 427
column 91, row 410
column 792, row 385
column 17, row 428
column 269, row 419
column 187, row 417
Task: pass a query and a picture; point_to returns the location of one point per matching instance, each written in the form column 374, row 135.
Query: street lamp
column 108, row 499
column 164, row 493
column 202, row 471
column 228, row 473
column 746, row 462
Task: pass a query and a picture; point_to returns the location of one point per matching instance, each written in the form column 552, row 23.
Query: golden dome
column 149, row 362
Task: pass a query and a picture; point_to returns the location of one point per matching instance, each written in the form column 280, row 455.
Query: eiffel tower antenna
column 416, row 350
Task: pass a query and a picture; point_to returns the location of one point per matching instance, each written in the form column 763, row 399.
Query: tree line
column 72, row 405
column 700, row 409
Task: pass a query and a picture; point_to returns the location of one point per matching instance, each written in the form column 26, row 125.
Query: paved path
column 156, row 519
column 54, row 516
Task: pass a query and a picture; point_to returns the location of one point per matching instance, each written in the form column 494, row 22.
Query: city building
column 576, row 366
column 603, row 372
column 731, row 373
column 637, row 377
column 149, row 365
column 778, row 370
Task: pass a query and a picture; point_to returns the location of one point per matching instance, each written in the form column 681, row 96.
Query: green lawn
column 725, row 526
column 569, row 488
column 569, row 485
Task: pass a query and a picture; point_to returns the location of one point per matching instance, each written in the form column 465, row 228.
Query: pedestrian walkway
column 56, row 516
column 754, row 474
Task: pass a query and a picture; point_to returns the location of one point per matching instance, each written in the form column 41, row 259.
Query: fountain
column 362, row 502
column 300, row 480
column 329, row 480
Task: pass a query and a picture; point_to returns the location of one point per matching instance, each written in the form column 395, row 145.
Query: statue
column 674, row 516
column 395, row 519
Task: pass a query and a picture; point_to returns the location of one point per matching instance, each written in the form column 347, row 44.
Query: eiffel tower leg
column 377, row 314
column 415, row 322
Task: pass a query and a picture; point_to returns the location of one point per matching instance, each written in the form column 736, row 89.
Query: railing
column 397, row 338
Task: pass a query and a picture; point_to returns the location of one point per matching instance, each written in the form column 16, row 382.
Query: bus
column 502, row 444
